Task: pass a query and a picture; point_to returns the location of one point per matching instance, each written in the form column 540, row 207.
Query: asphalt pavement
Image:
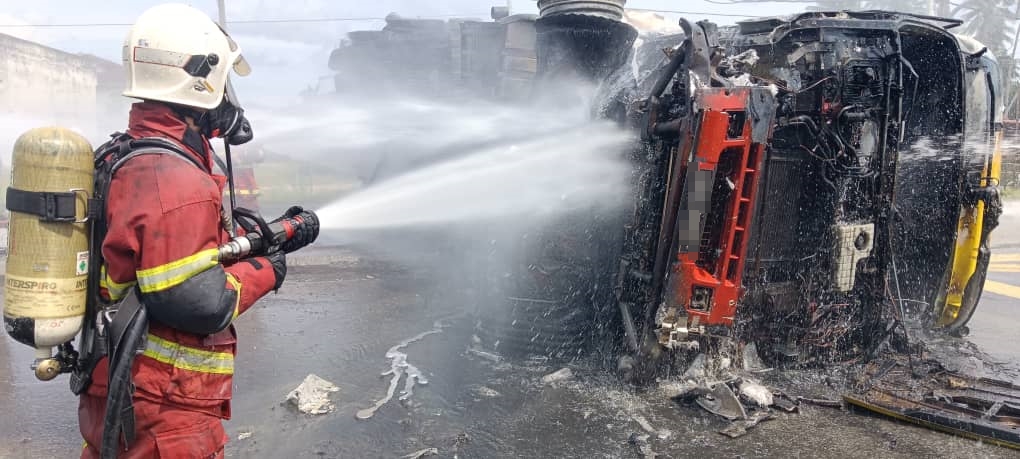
column 995, row 327
column 343, row 310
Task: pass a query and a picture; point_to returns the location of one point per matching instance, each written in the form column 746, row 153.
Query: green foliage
column 837, row 5
column 990, row 21
column 903, row 6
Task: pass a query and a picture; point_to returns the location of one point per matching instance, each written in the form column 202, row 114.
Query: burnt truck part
column 450, row 58
column 554, row 300
column 862, row 189
column 978, row 408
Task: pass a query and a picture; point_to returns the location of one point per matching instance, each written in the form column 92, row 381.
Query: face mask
column 227, row 120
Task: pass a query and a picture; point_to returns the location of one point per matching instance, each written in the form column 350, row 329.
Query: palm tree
column 989, row 21
column 902, row 6
column 837, row 5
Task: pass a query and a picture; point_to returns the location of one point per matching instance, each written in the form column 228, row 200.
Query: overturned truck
column 803, row 183
column 816, row 174
column 809, row 185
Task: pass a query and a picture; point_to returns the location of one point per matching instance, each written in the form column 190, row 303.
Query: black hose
column 121, row 389
column 230, row 179
column 679, row 56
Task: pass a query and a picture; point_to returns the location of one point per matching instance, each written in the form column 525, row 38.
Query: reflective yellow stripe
column 1002, row 288
column 173, row 273
column 237, row 288
column 1004, row 267
column 243, row 192
column 114, row 289
column 188, row 358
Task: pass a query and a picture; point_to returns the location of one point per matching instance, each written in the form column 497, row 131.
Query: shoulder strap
column 113, row 155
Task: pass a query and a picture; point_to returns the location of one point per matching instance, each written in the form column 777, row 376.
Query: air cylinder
column 47, row 256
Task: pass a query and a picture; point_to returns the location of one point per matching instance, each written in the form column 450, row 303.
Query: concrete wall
column 42, row 85
column 111, row 107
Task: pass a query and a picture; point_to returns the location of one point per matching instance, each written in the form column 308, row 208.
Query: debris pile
column 716, row 386
column 924, row 391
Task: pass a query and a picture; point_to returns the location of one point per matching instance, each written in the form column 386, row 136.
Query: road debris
column 783, row 402
column 312, row 396
column 560, row 375
column 828, row 403
column 681, row 389
column 647, row 426
column 740, row 427
column 486, row 392
column 924, row 392
column 642, row 444
column 756, row 393
column 422, row 453
column 485, row 355
column 244, row 436
column 722, row 402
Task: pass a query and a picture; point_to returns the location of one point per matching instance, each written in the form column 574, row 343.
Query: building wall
column 42, row 85
column 111, row 107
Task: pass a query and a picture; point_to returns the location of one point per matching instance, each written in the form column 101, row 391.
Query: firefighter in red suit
column 164, row 219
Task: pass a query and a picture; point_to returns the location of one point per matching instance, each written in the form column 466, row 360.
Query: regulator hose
column 120, row 413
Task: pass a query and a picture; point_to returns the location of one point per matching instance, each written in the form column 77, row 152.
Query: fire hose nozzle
column 270, row 237
column 235, row 249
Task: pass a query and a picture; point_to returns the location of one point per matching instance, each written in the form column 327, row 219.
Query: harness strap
column 50, row 206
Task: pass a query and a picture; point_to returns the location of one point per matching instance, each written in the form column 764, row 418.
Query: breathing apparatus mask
column 227, row 120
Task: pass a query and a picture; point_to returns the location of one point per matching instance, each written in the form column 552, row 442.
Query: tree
column 901, row 6
column 989, row 21
column 837, row 5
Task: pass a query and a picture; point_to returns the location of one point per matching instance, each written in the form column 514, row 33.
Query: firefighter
column 164, row 225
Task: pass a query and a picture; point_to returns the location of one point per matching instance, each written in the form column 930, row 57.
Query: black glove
column 305, row 233
column 279, row 261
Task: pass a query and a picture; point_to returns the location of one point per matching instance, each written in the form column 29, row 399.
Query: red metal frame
column 724, row 279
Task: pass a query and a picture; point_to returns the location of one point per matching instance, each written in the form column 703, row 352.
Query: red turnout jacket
column 164, row 219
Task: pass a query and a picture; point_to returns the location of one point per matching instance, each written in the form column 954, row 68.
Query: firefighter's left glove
column 279, row 261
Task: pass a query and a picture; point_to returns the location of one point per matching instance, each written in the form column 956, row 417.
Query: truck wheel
column 550, row 299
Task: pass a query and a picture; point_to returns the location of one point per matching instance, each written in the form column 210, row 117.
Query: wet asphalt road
column 337, row 316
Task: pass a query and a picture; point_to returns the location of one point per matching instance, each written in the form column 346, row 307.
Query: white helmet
column 175, row 53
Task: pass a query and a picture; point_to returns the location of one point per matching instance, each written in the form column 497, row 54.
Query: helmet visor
column 231, row 96
column 240, row 64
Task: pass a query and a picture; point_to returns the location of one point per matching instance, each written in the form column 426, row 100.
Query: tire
column 550, row 300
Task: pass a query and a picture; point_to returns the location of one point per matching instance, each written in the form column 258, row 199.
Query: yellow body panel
column 968, row 241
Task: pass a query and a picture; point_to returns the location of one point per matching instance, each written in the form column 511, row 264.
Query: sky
column 287, row 57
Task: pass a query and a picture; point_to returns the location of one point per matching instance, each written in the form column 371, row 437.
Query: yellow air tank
column 48, row 243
